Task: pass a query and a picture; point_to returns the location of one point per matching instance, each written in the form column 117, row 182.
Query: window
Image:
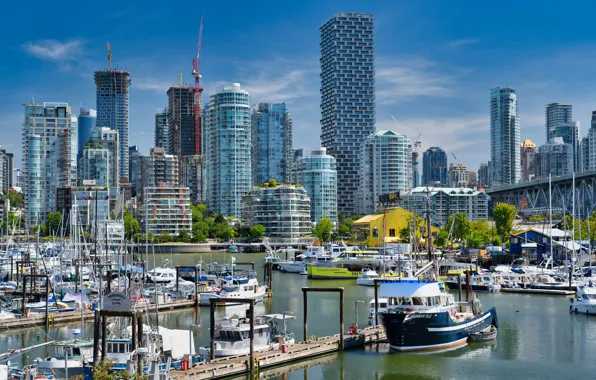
column 392, row 232
column 375, row 232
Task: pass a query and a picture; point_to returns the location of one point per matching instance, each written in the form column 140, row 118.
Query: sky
column 435, row 61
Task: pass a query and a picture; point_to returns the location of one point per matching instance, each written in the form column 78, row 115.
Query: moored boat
column 584, row 302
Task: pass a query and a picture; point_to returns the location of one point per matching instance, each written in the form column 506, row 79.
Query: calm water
column 538, row 338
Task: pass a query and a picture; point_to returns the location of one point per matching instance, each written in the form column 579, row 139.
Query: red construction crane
column 198, row 91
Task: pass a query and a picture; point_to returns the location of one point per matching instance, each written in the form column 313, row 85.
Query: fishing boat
column 236, row 288
column 233, row 336
column 421, row 316
column 478, row 283
column 584, row 301
column 71, row 355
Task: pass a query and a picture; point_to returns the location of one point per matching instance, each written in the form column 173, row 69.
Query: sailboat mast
column 550, row 214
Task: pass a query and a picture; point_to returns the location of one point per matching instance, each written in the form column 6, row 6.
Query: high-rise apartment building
column 134, row 158
column 385, row 167
column 228, row 145
column 555, row 158
column 104, row 139
column 49, row 157
column 458, row 175
column 318, row 174
column 527, row 153
column 434, row 167
column 166, row 209
column 295, row 158
column 271, row 140
column 6, row 160
column 472, row 179
column 504, row 137
column 557, row 114
column 162, row 130
column 181, row 121
column 112, row 109
column 97, row 164
column 157, row 168
column 347, row 97
column 483, row 176
column 86, row 122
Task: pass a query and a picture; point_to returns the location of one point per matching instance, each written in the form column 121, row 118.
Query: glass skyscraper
column 504, row 137
column 434, row 167
column 228, row 145
column 87, row 121
column 347, row 97
column 112, row 109
column 318, row 174
column 271, row 142
column 49, row 157
column 161, row 129
column 385, row 167
column 557, row 114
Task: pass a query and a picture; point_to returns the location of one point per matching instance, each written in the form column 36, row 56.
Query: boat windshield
column 589, row 296
column 418, row 301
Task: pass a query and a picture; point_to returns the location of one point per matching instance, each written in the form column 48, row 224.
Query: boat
column 584, row 301
column 236, row 288
column 271, row 257
column 291, row 266
column 490, row 333
column 232, row 337
column 69, row 354
column 161, row 275
column 543, row 281
column 233, row 249
column 381, row 308
column 368, row 277
column 421, row 316
column 478, row 283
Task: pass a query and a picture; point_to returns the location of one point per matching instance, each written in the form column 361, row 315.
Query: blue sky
column 435, row 60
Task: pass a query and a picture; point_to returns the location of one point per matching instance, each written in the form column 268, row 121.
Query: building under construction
column 112, row 109
column 181, row 121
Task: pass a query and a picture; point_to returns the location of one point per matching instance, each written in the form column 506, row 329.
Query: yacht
column 543, row 281
column 421, row 316
column 233, row 335
column 368, row 277
column 478, row 283
column 161, row 275
column 70, row 354
column 584, row 302
column 236, row 288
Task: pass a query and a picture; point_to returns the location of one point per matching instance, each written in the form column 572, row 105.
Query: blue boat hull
column 432, row 331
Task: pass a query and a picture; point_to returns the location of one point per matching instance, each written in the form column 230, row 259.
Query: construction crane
column 198, row 90
column 415, row 153
column 453, row 154
column 109, row 56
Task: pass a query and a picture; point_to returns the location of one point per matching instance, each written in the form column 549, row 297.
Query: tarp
column 131, row 268
column 76, row 297
column 409, row 288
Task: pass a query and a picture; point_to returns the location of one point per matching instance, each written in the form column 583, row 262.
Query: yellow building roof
column 368, row 218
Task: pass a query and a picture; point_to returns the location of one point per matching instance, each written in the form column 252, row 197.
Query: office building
column 385, row 167
column 557, row 114
column 504, row 137
column 527, row 153
column 162, row 129
column 458, row 175
column 347, row 97
column 104, row 139
column 228, row 145
column 483, row 176
column 283, row 210
column 157, row 168
column 318, row 174
column 6, row 163
column 192, row 175
column 271, row 150
column 445, row 202
column 181, row 121
column 555, row 158
column 86, row 122
column 112, row 109
column 415, row 169
column 49, row 157
column 472, row 179
column 166, row 209
column 134, row 155
column 434, row 171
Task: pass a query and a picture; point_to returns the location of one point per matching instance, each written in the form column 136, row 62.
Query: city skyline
column 418, row 80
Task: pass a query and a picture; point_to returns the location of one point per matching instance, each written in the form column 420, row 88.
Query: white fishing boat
column 237, row 288
column 368, row 277
column 291, row 266
column 584, row 302
column 233, row 335
column 69, row 354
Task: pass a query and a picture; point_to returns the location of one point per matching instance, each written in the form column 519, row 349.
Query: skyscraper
column 87, row 121
column 527, row 153
column 458, row 175
column 271, row 142
column 49, row 157
column 228, row 145
column 6, row 160
column 347, row 97
column 504, row 137
column 483, row 176
column 157, row 168
column 385, row 167
column 181, row 121
column 112, row 109
column 554, row 158
column 318, row 174
column 105, row 139
column 434, row 167
column 557, row 114
column 97, row 165
column 589, row 145
column 161, row 129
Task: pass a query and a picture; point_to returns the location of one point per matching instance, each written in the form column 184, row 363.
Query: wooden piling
column 48, row 300
column 305, row 308
column 252, row 338
column 212, row 328
column 139, row 317
column 459, row 286
column 376, row 311
column 104, row 340
column 96, row 321
column 467, row 285
column 341, row 319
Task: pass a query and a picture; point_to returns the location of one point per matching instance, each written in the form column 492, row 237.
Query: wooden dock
column 237, row 365
column 552, row 292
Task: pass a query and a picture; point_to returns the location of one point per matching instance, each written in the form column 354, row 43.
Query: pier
column 238, row 365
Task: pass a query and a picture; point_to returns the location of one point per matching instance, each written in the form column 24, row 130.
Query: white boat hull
column 204, row 351
column 296, row 267
column 365, row 281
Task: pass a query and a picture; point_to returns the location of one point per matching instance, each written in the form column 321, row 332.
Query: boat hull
column 581, row 308
column 454, row 285
column 432, row 331
column 296, row 267
column 332, row 273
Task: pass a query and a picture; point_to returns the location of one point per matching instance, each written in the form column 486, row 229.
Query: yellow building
column 369, row 229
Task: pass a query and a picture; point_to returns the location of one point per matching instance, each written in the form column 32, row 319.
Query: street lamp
column 356, row 312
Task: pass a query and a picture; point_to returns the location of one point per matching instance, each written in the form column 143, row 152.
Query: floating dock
column 552, row 292
column 238, row 365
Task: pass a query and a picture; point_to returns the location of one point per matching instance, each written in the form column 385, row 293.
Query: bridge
column 532, row 197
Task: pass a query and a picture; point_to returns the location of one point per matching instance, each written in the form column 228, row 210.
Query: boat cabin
column 414, row 295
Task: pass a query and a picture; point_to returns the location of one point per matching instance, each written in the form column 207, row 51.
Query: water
column 538, row 338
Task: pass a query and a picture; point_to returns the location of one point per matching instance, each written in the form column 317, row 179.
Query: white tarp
column 409, row 289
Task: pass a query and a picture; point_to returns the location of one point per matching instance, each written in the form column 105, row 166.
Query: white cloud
column 152, row 85
column 463, row 42
column 54, row 50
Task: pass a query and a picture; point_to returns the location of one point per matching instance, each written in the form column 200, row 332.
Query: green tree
column 504, row 214
column 219, row 219
column 183, row 236
column 537, row 218
column 16, row 199
column 197, row 215
column 199, row 237
column 441, row 239
column 461, row 226
column 323, row 229
column 53, row 222
column 131, row 225
column 164, row 237
column 257, row 232
column 201, row 227
column 272, row 183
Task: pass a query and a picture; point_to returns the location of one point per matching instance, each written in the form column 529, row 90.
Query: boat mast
column 572, row 230
column 550, row 214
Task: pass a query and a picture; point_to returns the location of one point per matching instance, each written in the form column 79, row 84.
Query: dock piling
column 139, row 318
column 95, row 337
column 459, row 286
column 339, row 290
column 376, row 281
column 305, row 309
column 467, row 285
